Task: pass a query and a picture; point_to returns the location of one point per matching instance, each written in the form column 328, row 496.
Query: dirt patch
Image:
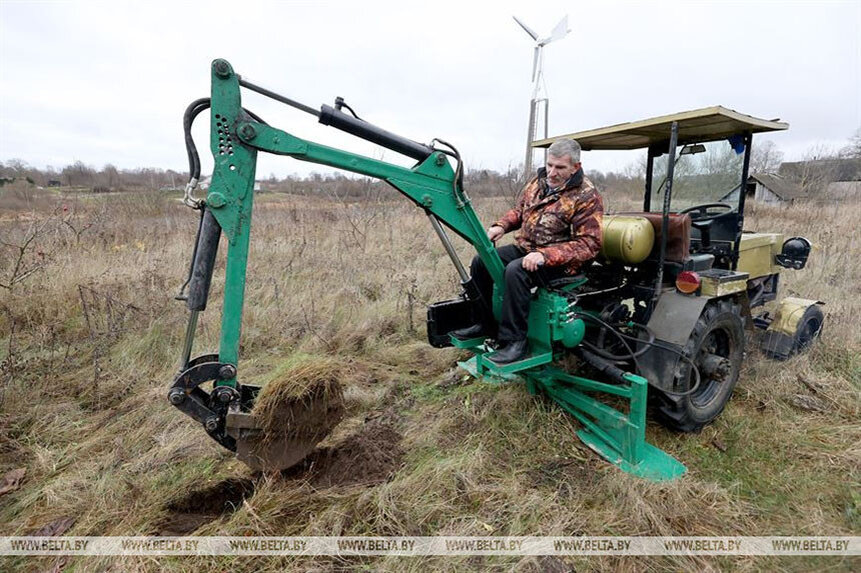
column 204, row 505
column 369, row 456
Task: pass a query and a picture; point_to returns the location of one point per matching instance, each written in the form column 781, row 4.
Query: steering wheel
column 707, row 212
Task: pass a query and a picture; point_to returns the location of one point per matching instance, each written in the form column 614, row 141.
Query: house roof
column 830, row 169
column 695, row 126
column 780, row 186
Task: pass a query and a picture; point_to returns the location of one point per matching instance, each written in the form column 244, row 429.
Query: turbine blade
column 527, row 28
column 560, row 31
column 535, row 62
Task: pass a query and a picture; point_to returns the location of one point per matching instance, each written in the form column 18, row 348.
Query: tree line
column 766, row 158
column 79, row 174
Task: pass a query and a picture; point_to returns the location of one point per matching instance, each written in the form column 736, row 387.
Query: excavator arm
column 432, row 184
column 236, row 137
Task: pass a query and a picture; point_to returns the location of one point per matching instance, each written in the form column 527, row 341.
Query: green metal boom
column 432, row 185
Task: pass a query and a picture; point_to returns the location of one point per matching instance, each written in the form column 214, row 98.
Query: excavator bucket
column 272, row 428
column 285, row 425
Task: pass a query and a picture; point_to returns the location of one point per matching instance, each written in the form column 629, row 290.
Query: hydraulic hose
column 191, row 112
column 633, row 356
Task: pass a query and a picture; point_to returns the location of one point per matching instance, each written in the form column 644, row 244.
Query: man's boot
column 474, row 331
column 511, row 352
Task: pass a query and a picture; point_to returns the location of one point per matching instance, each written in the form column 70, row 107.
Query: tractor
column 658, row 319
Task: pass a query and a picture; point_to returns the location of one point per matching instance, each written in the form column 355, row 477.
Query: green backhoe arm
column 432, row 184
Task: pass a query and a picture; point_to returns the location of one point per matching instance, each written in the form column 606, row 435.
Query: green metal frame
column 618, row 437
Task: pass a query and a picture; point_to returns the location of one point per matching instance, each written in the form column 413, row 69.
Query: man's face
column 559, row 169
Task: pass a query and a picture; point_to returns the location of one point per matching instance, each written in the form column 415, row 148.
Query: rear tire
column 716, row 346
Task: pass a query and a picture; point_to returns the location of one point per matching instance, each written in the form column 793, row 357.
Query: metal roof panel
column 695, row 126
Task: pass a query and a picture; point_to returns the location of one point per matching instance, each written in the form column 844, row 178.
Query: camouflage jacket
column 564, row 226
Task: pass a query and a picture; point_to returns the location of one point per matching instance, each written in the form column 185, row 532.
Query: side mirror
column 794, row 253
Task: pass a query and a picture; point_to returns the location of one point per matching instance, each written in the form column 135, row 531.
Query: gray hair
column 562, row 147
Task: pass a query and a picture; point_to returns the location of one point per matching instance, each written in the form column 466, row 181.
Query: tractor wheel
column 809, row 328
column 716, row 346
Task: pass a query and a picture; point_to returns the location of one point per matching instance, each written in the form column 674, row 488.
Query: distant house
column 54, row 183
column 768, row 188
column 832, row 178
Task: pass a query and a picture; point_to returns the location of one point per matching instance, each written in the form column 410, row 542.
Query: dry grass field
column 91, row 337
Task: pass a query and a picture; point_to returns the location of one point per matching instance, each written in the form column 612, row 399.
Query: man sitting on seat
column 559, row 215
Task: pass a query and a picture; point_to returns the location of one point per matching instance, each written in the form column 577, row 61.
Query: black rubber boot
column 474, row 331
column 511, row 352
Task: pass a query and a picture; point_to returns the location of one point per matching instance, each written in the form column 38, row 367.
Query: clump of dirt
column 294, row 411
column 367, row 457
column 313, row 383
column 205, row 505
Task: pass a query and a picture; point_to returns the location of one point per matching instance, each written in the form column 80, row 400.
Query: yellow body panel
column 757, row 252
column 714, row 288
column 789, row 312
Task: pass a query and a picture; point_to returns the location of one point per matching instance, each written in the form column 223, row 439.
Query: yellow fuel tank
column 627, row 238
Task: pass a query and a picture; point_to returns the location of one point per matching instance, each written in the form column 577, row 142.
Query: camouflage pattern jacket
column 564, row 226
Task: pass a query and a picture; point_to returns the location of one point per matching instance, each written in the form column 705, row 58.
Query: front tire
column 716, row 346
column 808, row 330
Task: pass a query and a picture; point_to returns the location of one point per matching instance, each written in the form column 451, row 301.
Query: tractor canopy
column 697, row 126
column 703, row 178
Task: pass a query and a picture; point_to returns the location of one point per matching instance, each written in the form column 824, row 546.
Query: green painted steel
column 617, row 437
column 431, row 185
column 230, row 199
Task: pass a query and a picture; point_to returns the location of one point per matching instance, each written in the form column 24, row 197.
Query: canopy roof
column 696, row 126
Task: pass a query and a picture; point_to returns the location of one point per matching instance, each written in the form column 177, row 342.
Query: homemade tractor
column 660, row 317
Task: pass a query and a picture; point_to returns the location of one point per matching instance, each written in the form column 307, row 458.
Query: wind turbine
column 559, row 31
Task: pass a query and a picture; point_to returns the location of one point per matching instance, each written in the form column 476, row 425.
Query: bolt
column 440, row 160
column 222, row 68
column 224, row 396
column 211, row 424
column 176, row 397
column 247, row 132
column 216, row 200
column 227, row 372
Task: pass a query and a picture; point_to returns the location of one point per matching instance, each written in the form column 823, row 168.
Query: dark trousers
column 519, row 282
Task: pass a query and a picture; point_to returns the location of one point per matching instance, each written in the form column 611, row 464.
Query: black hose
column 616, row 357
column 633, row 355
column 191, row 112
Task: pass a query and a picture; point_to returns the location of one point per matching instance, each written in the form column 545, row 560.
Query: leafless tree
column 27, row 258
column 765, row 157
column 853, row 150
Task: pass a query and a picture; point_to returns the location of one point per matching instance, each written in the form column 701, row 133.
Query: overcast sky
column 107, row 82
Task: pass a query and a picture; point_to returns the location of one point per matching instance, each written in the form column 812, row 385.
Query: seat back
column 678, row 235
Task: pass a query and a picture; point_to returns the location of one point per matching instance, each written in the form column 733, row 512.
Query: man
column 559, row 216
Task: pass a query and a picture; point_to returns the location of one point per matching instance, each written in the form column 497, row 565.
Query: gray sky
column 107, row 82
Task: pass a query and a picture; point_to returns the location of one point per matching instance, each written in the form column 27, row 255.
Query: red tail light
column 688, row 282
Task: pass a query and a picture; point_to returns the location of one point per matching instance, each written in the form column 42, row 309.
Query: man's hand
column 494, row 233
column 532, row 261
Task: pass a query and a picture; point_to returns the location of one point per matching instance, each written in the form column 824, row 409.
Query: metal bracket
column 209, row 409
